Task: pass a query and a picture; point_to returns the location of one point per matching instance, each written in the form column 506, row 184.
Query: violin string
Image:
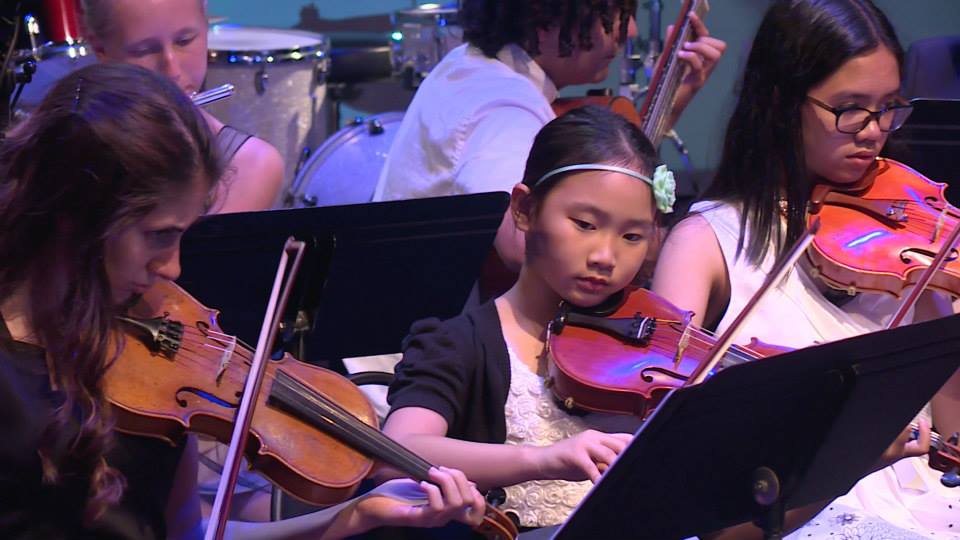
column 354, row 428
column 706, row 337
column 195, row 336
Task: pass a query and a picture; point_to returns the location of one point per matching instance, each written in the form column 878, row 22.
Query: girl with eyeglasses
column 818, row 100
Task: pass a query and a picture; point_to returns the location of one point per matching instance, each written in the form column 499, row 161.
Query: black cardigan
column 459, row 368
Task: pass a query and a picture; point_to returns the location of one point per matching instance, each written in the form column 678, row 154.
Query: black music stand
column 816, row 418
column 391, row 263
column 930, row 142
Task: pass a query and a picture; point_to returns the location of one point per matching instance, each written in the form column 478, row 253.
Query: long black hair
column 799, row 44
column 489, row 25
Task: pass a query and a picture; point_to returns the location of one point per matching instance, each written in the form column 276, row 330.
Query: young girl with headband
column 469, row 392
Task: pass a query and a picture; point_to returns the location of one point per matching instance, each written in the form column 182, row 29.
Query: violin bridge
column 228, row 345
column 939, row 227
column 681, row 346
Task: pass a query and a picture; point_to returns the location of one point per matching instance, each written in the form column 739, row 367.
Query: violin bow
column 775, row 277
column 241, row 427
column 911, row 299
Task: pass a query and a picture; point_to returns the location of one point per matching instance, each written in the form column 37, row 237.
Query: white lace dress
column 534, row 418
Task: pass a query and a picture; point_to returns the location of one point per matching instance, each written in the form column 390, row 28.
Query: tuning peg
column 951, row 479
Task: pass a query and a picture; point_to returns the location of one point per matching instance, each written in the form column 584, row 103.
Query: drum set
column 281, row 93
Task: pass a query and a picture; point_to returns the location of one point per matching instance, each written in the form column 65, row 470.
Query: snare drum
column 279, row 79
column 345, row 170
column 421, row 37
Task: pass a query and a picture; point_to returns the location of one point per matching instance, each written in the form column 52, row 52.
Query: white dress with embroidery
column 903, row 501
column 534, row 418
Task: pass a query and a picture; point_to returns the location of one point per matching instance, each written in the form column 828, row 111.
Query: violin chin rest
column 603, row 309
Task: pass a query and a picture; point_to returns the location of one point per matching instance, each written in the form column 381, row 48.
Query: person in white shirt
column 472, row 122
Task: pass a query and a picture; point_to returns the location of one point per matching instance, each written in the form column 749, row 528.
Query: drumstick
column 214, row 94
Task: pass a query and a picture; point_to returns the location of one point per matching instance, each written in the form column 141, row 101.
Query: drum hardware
column 304, row 156
column 260, row 81
column 33, row 34
column 421, row 37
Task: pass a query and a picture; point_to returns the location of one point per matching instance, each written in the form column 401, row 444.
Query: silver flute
column 214, row 94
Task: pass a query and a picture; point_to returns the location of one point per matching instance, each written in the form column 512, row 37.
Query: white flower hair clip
column 664, row 189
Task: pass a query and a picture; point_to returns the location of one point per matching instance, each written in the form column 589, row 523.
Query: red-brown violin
column 879, row 234
column 625, row 356
column 313, row 432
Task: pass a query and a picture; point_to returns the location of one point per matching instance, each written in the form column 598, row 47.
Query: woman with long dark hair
column 819, row 97
column 96, row 190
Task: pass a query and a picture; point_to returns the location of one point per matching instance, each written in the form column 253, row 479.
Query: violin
column 626, row 354
column 654, row 113
column 668, row 73
column 945, row 456
column 880, row 233
column 617, row 104
column 313, row 432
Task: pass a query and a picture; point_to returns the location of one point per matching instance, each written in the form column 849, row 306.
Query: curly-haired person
column 472, row 122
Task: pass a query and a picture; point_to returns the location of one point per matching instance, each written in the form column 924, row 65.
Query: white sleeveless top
column 534, row 418
column 908, row 495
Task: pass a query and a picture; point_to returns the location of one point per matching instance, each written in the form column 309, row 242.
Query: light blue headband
column 663, row 185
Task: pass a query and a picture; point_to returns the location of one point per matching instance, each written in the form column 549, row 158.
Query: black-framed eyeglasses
column 853, row 119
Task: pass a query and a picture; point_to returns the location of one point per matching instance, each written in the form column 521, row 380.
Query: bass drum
column 346, row 168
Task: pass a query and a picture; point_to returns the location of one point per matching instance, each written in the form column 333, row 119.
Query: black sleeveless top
column 31, row 509
column 229, row 141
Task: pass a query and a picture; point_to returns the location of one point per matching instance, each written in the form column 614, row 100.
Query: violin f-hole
column 206, row 396
column 907, row 256
column 647, row 374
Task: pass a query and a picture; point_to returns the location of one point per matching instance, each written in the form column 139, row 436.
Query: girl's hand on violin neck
column 906, row 445
column 582, row 457
column 449, row 496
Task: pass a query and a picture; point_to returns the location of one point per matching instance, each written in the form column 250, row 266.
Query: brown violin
column 879, row 234
column 624, row 356
column 313, row 432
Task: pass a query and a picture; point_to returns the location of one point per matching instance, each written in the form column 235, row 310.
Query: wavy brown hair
column 107, row 146
column 489, row 25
